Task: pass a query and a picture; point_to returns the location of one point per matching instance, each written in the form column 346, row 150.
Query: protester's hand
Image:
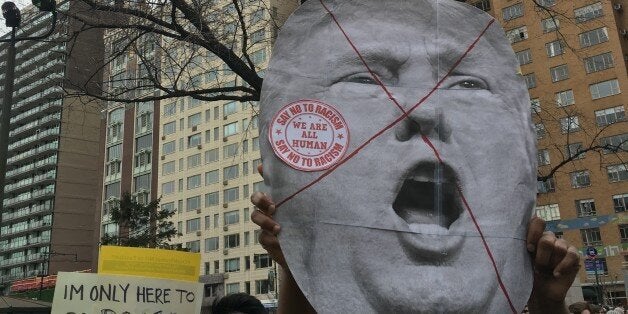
column 263, row 217
column 556, row 265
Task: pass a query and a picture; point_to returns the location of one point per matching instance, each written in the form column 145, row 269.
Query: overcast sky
column 20, row 4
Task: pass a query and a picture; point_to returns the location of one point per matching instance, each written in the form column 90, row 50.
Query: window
column 591, row 236
column 194, row 181
column 550, row 24
column 262, row 261
column 604, row 89
column 168, row 207
column 193, row 225
column 593, row 37
column 569, row 124
column 211, row 244
column 546, row 186
column 543, row 157
column 255, row 143
column 230, row 150
column 245, row 168
column 580, row 179
column 620, row 202
column 484, row 5
column 262, row 286
column 246, row 214
column 194, row 160
column 259, row 56
column 211, row 199
column 530, row 80
column 194, row 140
column 245, row 144
column 216, row 133
column 231, row 172
column 258, row 36
column 574, row 151
column 614, row 143
column 211, row 177
column 512, row 12
column 257, row 16
column 167, row 188
column 599, row 62
column 193, row 246
column 564, row 98
column 232, row 265
column 232, row 217
column 588, row 12
column 211, row 155
column 247, row 240
column 168, row 148
column 535, row 105
column 141, row 182
column 548, row 212
column 539, row 128
column 559, row 73
column 230, row 129
column 229, row 108
column 617, row 173
column 170, row 128
column 623, row 233
column 232, row 241
column 554, row 48
column 193, row 203
column 230, row 195
column 232, row 288
column 194, row 120
column 517, row 34
column 170, row 109
column 216, row 220
column 585, row 208
column 610, row 116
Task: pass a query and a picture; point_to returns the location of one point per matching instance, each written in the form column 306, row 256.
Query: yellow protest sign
column 168, row 264
column 114, row 294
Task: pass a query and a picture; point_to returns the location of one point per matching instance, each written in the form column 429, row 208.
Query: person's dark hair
column 238, row 303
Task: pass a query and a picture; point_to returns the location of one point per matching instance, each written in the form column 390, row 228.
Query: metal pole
column 597, row 283
column 44, row 266
column 7, row 101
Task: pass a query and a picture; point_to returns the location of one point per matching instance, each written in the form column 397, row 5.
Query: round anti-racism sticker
column 309, row 135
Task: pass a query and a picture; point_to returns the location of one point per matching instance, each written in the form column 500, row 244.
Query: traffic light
column 45, row 5
column 11, row 14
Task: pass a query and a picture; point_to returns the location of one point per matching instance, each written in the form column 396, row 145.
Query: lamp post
column 45, row 266
column 13, row 19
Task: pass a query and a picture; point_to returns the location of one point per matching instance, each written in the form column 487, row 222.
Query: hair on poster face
column 398, row 142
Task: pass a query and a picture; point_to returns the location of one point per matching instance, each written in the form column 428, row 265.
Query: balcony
column 30, row 196
column 48, row 133
column 37, row 112
column 35, row 124
column 35, row 100
column 33, row 152
column 27, row 211
column 28, row 182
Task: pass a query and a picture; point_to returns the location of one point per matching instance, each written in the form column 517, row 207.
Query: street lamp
column 47, row 256
column 13, row 18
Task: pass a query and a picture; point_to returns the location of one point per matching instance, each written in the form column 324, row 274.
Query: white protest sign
column 93, row 293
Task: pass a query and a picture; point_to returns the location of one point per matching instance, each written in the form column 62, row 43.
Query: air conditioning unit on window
column 199, row 146
column 198, row 211
column 226, row 182
column 163, row 137
column 163, row 157
column 225, row 205
column 224, row 139
column 617, row 6
column 225, row 117
column 225, row 251
column 198, row 233
column 194, row 128
column 225, row 228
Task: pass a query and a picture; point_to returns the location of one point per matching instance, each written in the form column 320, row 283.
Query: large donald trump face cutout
column 398, row 145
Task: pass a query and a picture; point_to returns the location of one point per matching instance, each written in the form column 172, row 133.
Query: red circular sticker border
column 284, row 119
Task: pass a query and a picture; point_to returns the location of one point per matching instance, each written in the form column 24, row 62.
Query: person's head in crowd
column 238, row 303
column 390, row 226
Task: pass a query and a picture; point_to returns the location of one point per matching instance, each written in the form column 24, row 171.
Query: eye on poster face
column 400, row 149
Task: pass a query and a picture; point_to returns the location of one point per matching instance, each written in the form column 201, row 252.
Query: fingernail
column 531, row 247
column 276, row 229
column 556, row 274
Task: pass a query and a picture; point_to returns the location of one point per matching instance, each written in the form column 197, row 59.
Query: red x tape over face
column 425, row 211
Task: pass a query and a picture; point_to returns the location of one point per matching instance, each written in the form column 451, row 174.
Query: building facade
column 52, row 173
column 201, row 157
column 573, row 58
